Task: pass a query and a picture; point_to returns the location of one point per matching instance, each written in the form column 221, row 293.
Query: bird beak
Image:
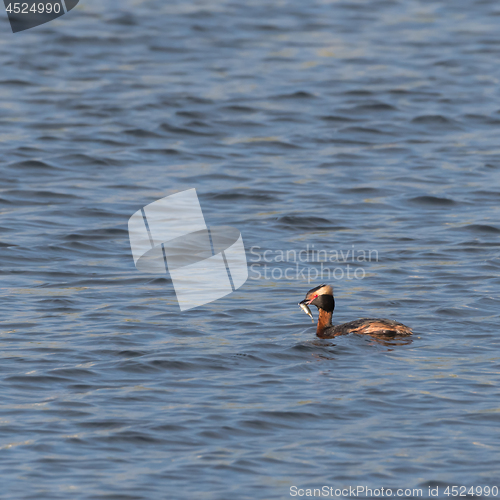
column 307, row 301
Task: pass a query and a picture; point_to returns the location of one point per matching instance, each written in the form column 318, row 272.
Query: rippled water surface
column 332, row 126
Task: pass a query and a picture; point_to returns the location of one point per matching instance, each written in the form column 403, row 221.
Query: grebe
column 322, row 298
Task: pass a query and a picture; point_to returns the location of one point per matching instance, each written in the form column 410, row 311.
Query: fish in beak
column 303, row 305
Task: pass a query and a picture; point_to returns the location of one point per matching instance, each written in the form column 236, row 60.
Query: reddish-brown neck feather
column 324, row 321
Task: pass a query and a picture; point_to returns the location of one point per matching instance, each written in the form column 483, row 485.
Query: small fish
column 306, row 310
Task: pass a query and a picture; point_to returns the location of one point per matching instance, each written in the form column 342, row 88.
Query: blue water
column 338, row 126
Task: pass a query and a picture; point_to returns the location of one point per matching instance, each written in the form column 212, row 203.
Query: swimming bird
column 322, row 298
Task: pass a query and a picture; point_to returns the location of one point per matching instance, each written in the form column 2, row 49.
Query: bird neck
column 324, row 321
